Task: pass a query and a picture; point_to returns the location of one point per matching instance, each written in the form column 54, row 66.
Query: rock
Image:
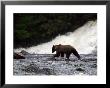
column 18, row 56
column 79, row 69
column 24, row 52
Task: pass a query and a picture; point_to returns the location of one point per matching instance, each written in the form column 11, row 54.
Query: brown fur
column 64, row 49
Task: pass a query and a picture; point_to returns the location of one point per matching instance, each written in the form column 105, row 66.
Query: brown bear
column 64, row 49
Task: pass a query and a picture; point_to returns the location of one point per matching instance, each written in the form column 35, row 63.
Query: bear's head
column 54, row 48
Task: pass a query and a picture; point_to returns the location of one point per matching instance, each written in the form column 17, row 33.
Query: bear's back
column 64, row 48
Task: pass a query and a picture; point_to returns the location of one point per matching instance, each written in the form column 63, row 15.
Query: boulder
column 18, row 56
column 24, row 52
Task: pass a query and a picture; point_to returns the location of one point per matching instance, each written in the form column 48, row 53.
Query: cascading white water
column 84, row 39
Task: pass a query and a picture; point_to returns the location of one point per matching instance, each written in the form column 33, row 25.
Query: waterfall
column 84, row 39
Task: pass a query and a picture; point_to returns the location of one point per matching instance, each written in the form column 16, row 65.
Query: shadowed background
column 33, row 29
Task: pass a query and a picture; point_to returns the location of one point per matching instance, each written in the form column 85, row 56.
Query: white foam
column 84, row 39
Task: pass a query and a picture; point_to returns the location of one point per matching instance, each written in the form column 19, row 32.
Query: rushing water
column 84, row 39
column 46, row 65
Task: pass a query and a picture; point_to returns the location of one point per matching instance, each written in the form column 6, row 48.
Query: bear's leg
column 57, row 54
column 62, row 54
column 76, row 54
column 67, row 56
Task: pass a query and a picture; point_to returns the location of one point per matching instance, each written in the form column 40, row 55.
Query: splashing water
column 84, row 39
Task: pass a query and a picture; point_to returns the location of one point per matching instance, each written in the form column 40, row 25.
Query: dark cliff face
column 33, row 29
